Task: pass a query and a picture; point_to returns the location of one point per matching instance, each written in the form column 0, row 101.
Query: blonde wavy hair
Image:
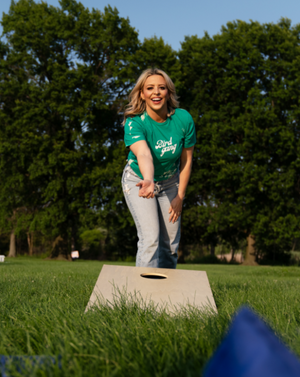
column 137, row 105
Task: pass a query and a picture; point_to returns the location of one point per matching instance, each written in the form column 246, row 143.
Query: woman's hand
column 175, row 209
column 185, row 171
column 146, row 188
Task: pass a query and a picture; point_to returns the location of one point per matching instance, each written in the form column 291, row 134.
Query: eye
column 149, row 87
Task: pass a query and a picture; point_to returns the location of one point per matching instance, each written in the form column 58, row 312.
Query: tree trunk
column 30, row 243
column 250, row 252
column 60, row 249
column 212, row 249
column 74, row 237
column 232, row 254
column 12, row 245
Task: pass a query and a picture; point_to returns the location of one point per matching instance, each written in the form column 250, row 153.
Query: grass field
column 42, row 313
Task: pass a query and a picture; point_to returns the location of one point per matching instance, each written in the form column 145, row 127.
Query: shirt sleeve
column 133, row 132
column 190, row 135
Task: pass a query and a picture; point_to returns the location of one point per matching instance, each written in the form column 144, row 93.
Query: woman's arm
column 144, row 157
column 186, row 160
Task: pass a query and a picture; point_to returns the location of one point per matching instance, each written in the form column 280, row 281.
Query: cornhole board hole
column 170, row 289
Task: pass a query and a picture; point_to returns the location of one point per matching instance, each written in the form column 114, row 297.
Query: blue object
column 20, row 363
column 251, row 349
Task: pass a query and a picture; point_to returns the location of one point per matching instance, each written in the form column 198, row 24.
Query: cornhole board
column 170, row 289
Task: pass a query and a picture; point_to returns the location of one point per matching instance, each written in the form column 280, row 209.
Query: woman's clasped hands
column 146, row 188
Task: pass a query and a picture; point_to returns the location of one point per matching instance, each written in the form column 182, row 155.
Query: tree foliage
column 243, row 92
column 65, row 74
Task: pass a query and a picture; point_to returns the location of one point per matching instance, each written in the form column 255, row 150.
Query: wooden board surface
column 170, row 289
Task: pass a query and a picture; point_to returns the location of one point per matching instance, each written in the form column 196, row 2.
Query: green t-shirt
column 165, row 141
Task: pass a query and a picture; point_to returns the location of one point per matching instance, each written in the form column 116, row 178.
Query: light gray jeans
column 158, row 238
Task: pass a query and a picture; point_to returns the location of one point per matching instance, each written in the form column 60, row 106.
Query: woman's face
column 155, row 94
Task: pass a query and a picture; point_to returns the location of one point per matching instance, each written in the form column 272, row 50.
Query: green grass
column 42, row 313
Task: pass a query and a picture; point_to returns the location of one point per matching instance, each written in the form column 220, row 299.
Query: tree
column 15, row 185
column 242, row 88
column 155, row 53
column 68, row 70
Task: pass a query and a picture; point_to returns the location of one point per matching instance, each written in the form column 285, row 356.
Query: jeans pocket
column 130, row 170
column 129, row 180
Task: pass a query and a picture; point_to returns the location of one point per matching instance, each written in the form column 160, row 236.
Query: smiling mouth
column 156, row 100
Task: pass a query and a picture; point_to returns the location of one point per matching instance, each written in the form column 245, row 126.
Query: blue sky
column 174, row 19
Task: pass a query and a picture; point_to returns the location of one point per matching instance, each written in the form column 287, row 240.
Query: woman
column 161, row 139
